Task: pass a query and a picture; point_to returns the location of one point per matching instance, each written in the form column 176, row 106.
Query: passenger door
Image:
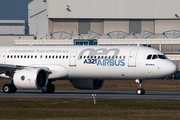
column 132, row 58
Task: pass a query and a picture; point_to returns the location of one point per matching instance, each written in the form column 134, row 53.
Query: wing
column 7, row 69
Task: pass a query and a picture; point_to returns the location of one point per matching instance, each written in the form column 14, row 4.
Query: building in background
column 102, row 16
column 8, row 27
column 9, row 39
column 13, row 29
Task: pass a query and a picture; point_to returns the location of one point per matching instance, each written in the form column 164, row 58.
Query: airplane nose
column 172, row 68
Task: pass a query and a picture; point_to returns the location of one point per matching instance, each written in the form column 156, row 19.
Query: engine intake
column 30, row 78
column 87, row 83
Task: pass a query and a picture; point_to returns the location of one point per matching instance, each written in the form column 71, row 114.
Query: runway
column 87, row 94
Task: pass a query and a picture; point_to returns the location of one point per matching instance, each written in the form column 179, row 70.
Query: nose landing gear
column 139, row 91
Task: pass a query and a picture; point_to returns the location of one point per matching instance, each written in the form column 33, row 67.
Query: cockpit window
column 149, row 57
column 155, row 57
column 161, row 56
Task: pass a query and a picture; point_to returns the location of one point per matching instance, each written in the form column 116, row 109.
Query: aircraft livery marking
column 150, row 64
column 105, row 62
column 101, row 51
column 102, row 62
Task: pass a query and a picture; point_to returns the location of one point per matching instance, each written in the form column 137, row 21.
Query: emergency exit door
column 72, row 60
column 132, row 58
column 3, row 57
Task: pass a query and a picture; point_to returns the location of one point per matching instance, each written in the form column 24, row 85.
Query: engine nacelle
column 87, row 83
column 30, row 78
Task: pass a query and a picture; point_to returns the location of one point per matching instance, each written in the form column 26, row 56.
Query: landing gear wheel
column 50, row 88
column 14, row 89
column 9, row 88
column 140, row 91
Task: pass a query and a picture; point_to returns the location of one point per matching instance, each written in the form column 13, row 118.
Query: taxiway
column 100, row 94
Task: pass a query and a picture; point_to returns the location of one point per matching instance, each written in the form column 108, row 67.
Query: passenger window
column 91, row 57
column 123, row 57
column 84, row 57
column 36, row 56
column 14, row 56
column 11, row 56
column 60, row 56
column 49, row 56
column 21, row 56
column 87, row 57
column 8, row 56
column 46, row 56
column 119, row 57
column 109, row 57
column 94, row 57
column 112, row 57
column 63, row 57
column 53, row 56
column 149, row 57
column 28, row 56
column 56, row 57
column 18, row 56
column 98, row 57
column 25, row 56
column 66, row 57
column 101, row 57
column 155, row 57
column 41, row 56
column 105, row 57
column 80, row 57
column 31, row 56
column 116, row 57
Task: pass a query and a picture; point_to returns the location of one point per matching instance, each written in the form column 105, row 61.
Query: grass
column 149, row 85
column 55, row 109
column 52, row 109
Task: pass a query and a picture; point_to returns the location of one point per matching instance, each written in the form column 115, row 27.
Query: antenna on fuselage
column 138, row 44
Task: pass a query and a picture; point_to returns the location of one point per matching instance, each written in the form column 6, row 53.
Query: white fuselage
column 91, row 62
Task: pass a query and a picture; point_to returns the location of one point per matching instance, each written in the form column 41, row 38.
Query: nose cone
column 172, row 68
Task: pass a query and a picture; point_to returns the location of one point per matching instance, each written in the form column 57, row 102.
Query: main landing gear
column 9, row 88
column 50, row 88
column 139, row 91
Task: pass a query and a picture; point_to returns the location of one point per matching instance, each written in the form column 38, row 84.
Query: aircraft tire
column 14, row 89
column 50, row 88
column 140, row 91
column 7, row 88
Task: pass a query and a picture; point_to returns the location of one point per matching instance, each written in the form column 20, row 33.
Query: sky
column 14, row 9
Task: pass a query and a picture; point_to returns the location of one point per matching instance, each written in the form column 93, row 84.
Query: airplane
column 86, row 67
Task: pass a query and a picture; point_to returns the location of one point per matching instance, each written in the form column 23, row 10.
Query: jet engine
column 30, row 78
column 87, row 83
